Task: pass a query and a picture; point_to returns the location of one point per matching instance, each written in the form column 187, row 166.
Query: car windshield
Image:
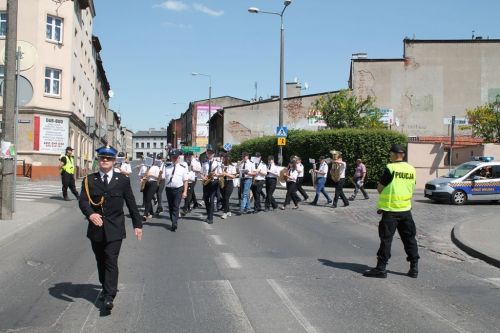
column 460, row 171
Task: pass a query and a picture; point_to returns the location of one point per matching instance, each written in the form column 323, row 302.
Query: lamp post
column 209, row 91
column 255, row 10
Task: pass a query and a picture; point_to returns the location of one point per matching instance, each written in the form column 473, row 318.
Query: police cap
column 397, row 149
column 106, row 151
column 175, row 153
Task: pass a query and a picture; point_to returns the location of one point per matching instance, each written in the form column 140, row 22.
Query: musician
column 151, row 178
column 125, row 168
column 229, row 175
column 300, row 178
column 246, row 171
column 176, row 185
column 338, row 176
column 143, row 169
column 194, row 167
column 258, row 183
column 101, row 201
column 321, row 175
column 210, row 172
column 291, row 185
column 161, row 184
column 271, row 180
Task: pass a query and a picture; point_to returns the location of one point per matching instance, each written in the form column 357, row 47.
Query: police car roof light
column 482, row 158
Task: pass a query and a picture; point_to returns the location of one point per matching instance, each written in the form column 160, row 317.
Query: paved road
column 291, row 271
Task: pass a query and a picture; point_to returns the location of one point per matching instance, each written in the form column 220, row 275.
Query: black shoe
column 413, row 272
column 313, row 203
column 366, row 198
column 352, row 199
column 376, row 273
column 108, row 303
column 329, row 202
column 346, row 203
column 334, row 205
column 173, row 227
column 210, row 221
column 67, row 199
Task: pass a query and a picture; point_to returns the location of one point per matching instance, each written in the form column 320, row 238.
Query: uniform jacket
column 118, row 191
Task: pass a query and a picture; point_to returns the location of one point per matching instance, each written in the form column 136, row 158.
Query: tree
column 343, row 110
column 485, row 121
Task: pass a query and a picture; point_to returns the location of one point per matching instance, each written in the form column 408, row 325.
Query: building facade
column 149, row 143
column 435, row 79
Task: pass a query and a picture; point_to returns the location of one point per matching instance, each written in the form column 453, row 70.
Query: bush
column 371, row 145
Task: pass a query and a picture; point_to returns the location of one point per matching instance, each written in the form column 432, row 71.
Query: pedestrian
column 101, row 201
column 271, row 181
column 67, row 169
column 125, row 168
column 396, row 186
column 359, row 180
column 149, row 192
column 291, row 186
column 161, row 184
column 338, row 176
column 246, row 171
column 300, row 178
column 176, row 185
column 210, row 172
column 229, row 173
column 258, row 183
column 321, row 174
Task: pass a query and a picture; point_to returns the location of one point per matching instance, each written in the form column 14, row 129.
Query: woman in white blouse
column 229, row 175
column 291, row 186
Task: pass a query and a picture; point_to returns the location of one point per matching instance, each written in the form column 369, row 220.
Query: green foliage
column 371, row 145
column 344, row 110
column 485, row 121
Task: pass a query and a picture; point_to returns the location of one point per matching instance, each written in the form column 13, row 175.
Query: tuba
column 337, row 168
column 283, row 176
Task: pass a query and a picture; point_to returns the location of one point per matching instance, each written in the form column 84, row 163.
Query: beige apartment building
column 70, row 90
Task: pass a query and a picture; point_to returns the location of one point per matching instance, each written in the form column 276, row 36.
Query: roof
column 450, row 41
column 460, row 141
column 149, row 133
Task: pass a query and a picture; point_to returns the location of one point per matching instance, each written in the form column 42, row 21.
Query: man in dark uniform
column 176, row 185
column 101, row 201
column 67, row 168
column 210, row 175
column 396, row 190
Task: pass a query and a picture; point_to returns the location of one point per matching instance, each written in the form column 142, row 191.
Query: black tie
column 105, row 181
column 209, row 166
column 172, row 177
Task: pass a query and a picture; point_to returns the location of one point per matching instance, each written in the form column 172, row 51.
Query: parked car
column 478, row 179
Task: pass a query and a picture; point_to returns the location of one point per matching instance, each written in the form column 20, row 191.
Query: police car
column 478, row 179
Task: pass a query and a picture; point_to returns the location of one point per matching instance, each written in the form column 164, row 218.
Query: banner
column 202, row 118
column 51, row 134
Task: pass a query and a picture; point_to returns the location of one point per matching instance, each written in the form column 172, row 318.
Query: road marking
column 24, row 199
column 291, row 307
column 231, row 260
column 208, row 226
column 216, row 239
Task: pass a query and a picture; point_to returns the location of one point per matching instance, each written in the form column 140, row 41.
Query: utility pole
column 8, row 167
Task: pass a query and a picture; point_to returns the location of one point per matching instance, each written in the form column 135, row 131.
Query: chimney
column 293, row 89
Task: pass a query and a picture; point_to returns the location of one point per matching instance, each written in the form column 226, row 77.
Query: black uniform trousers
column 190, row 197
column 300, row 181
column 403, row 222
column 174, row 197
column 159, row 195
column 106, row 255
column 194, row 200
column 270, row 188
column 339, row 192
column 209, row 193
column 257, row 190
column 226, row 194
column 68, row 181
column 291, row 194
column 149, row 192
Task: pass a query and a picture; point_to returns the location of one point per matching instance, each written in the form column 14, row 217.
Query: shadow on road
column 358, row 268
column 68, row 291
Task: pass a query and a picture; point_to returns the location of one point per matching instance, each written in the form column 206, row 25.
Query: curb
column 458, row 239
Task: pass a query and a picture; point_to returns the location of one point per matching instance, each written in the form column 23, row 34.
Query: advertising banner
column 51, row 134
column 202, row 118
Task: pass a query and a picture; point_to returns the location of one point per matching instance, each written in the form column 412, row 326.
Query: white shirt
column 231, row 169
column 293, row 174
column 343, row 166
column 274, row 169
column 246, row 165
column 154, row 173
column 175, row 178
column 261, row 167
column 195, row 165
column 323, row 168
column 216, row 167
column 110, row 175
column 142, row 171
column 126, row 168
column 300, row 169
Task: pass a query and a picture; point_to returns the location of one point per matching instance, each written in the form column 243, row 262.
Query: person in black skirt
column 229, row 175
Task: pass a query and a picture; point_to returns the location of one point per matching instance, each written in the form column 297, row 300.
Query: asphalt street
column 283, row 271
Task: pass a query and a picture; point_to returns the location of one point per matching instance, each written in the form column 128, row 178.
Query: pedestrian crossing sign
column 281, row 141
column 281, row 132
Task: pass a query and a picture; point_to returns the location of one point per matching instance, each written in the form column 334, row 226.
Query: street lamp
column 209, row 91
column 255, row 10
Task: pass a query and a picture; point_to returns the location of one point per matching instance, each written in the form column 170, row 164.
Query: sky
column 151, row 47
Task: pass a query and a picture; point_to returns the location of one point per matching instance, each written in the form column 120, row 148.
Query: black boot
column 377, row 272
column 413, row 272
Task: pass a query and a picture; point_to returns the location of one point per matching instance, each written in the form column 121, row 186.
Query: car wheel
column 458, row 198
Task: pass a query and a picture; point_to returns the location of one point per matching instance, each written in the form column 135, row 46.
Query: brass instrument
column 337, row 167
column 314, row 175
column 282, row 178
column 209, row 179
column 143, row 183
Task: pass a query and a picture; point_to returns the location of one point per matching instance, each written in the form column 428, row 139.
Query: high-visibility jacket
column 396, row 196
column 69, row 166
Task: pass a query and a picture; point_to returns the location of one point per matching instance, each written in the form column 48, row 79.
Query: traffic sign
column 228, row 146
column 281, row 132
column 281, row 141
column 194, row 149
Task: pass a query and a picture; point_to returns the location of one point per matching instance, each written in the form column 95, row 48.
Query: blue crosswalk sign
column 281, row 132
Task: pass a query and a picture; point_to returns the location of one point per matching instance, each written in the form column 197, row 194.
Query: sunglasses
column 107, row 158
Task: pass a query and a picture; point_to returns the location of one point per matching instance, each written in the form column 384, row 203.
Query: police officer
column 67, row 169
column 101, row 201
column 396, row 190
column 176, row 185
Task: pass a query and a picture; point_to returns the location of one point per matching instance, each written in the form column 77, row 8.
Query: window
column 3, row 24
column 162, row 144
column 54, row 29
column 137, row 145
column 52, row 81
column 142, row 145
column 154, row 145
column 148, row 145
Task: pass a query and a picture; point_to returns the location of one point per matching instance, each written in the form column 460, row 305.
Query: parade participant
column 191, row 163
column 210, row 172
column 149, row 192
column 176, row 185
column 161, row 184
column 359, row 180
column 321, row 175
column 396, row 187
column 338, row 175
column 67, row 169
column 143, row 170
column 229, row 173
column 300, row 178
column 125, row 168
column 271, row 180
column 291, row 186
column 101, row 201
column 258, row 183
column 246, row 171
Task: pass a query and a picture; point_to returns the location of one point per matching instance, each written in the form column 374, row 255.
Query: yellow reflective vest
column 69, row 166
column 396, row 196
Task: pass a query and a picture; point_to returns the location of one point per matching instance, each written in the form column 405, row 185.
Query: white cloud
column 204, row 9
column 174, row 5
column 177, row 25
